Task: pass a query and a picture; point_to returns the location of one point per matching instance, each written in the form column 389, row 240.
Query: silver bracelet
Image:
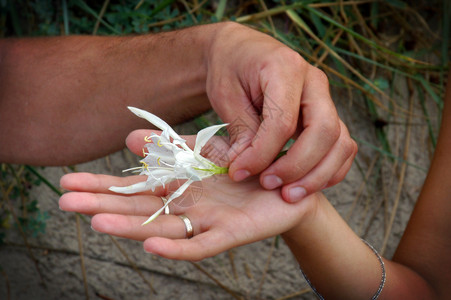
column 381, row 285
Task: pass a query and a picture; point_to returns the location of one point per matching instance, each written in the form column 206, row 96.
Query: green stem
column 47, row 183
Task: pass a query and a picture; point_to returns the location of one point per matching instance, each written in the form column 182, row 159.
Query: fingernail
column 271, row 182
column 296, row 193
column 241, row 175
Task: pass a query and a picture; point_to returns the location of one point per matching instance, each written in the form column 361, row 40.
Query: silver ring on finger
column 188, row 226
column 166, row 209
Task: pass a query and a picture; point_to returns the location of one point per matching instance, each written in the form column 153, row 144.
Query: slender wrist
column 310, row 220
column 334, row 258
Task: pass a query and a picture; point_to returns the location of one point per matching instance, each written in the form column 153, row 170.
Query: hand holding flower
column 227, row 215
column 269, row 94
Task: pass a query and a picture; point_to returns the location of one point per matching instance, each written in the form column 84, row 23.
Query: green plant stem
column 46, row 182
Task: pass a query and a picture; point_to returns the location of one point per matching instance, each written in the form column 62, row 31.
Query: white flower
column 166, row 160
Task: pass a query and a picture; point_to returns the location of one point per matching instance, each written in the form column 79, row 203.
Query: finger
column 321, row 130
column 168, row 226
column 282, row 89
column 341, row 154
column 98, row 183
column 93, row 203
column 243, row 125
column 341, row 174
column 232, row 104
column 136, row 140
column 216, row 150
column 206, row 244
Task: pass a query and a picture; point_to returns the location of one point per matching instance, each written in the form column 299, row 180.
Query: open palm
column 224, row 215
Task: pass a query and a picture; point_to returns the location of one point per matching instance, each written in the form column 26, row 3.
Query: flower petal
column 204, row 135
column 155, row 178
column 174, row 195
column 184, row 157
column 131, row 189
column 158, row 155
column 192, row 174
column 162, row 125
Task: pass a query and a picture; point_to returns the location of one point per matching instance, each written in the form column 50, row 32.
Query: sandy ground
column 120, row 269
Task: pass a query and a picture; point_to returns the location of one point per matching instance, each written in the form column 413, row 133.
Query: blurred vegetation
column 366, row 47
column 17, row 206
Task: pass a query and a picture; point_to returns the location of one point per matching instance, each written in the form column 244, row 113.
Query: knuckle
column 330, row 130
column 288, row 57
column 348, row 148
column 354, row 148
column 262, row 163
column 287, row 124
column 241, row 133
column 319, row 74
column 230, row 24
column 228, row 28
column 298, row 62
column 336, row 179
column 135, row 209
column 300, row 169
column 266, row 161
column 218, row 89
column 315, row 185
column 347, row 145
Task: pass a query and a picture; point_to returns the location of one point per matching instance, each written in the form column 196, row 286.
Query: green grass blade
column 348, row 80
column 370, row 61
column 388, row 154
column 65, row 18
column 318, row 25
column 270, row 12
column 44, row 180
column 89, row 10
column 446, row 31
column 160, row 7
column 425, row 111
column 361, row 37
column 431, row 92
column 374, row 14
column 219, row 14
column 297, row 20
column 14, row 18
column 416, row 77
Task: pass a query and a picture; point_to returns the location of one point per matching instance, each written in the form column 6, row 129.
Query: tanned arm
column 63, row 99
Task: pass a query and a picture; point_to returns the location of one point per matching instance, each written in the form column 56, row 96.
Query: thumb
column 244, row 121
column 242, row 130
